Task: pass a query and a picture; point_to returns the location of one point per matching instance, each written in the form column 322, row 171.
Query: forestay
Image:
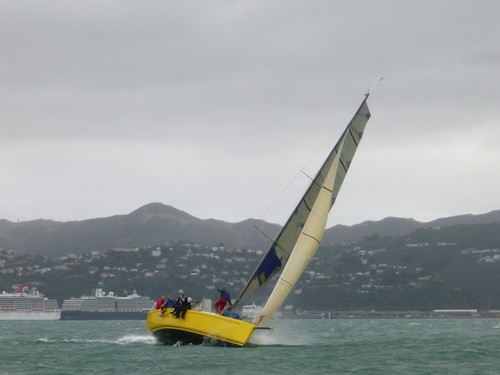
column 299, row 239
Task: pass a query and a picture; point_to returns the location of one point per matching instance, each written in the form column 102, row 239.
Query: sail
column 299, row 239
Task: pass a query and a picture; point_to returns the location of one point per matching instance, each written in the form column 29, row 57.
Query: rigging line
column 265, row 214
column 339, row 127
column 375, row 84
column 237, row 245
column 263, row 233
column 263, row 217
column 301, row 171
column 248, row 233
column 226, row 266
column 272, row 240
column 268, row 211
column 295, row 196
column 313, row 180
column 327, row 140
column 305, row 174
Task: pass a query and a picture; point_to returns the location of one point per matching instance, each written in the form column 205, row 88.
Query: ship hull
column 55, row 315
column 198, row 327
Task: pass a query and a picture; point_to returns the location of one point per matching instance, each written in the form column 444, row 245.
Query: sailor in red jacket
column 224, row 298
column 160, row 303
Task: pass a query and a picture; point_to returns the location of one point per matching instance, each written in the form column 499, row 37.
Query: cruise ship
column 102, row 306
column 27, row 305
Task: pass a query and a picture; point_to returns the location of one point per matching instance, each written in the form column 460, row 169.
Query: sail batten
column 312, row 237
column 300, row 237
column 354, row 140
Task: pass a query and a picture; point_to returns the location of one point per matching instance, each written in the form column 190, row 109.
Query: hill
column 151, row 224
column 455, row 267
column 157, row 223
column 396, row 227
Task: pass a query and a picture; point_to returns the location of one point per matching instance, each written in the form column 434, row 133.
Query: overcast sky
column 222, row 108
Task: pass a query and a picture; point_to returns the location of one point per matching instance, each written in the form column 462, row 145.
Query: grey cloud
column 233, row 87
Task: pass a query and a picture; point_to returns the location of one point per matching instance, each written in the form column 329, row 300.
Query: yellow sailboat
column 290, row 253
column 198, row 327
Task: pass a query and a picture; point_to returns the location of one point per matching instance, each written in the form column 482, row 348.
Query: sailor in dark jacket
column 182, row 305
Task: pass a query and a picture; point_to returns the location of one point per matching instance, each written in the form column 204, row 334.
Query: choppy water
column 392, row 346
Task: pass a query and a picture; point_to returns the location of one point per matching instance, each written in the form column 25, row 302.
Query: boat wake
column 132, row 339
column 278, row 339
column 124, row 340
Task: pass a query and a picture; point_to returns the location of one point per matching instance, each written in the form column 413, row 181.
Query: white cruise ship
column 102, row 306
column 28, row 306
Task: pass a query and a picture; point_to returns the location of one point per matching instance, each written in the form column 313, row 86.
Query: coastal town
column 357, row 279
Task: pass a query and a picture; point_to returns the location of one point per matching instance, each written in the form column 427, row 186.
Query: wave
column 281, row 338
column 132, row 339
column 124, row 340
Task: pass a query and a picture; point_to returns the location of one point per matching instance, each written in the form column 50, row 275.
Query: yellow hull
column 198, row 327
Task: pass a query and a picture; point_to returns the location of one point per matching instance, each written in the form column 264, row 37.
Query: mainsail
column 299, row 239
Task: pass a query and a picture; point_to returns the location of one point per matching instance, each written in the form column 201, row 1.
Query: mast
column 299, row 239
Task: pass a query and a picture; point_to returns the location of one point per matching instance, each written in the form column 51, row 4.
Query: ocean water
column 385, row 346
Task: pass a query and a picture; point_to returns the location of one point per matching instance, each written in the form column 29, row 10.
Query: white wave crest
column 129, row 339
column 124, row 340
column 278, row 338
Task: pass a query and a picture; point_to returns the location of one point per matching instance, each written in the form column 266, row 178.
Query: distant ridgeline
column 394, row 264
column 157, row 223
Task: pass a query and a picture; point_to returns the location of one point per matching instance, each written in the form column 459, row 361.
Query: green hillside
column 453, row 267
